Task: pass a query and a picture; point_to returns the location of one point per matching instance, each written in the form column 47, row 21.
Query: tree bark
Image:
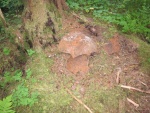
column 61, row 5
column 42, row 19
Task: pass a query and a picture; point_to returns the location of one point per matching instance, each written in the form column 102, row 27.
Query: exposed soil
column 116, row 54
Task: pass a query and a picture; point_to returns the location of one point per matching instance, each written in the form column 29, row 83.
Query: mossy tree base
column 41, row 22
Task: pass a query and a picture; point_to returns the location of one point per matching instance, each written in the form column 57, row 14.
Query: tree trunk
column 2, row 18
column 61, row 5
column 42, row 20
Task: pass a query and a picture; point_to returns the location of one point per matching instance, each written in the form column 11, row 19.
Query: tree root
column 86, row 107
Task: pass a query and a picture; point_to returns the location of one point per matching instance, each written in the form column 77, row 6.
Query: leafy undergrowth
column 52, row 98
column 130, row 16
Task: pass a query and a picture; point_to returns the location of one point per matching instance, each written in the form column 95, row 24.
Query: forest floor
column 116, row 63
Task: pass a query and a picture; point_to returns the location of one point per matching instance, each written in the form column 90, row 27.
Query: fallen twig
column 118, row 76
column 143, row 83
column 2, row 18
column 132, row 102
column 78, row 100
column 136, row 89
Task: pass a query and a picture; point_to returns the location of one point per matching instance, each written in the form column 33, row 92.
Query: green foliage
column 149, row 60
column 30, row 52
column 14, row 76
column 17, row 76
column 132, row 16
column 21, row 96
column 6, row 105
column 29, row 73
column 6, row 33
column 11, row 4
column 6, row 51
column 2, row 31
column 11, row 10
column 8, row 78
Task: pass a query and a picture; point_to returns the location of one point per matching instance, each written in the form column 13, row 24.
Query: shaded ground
column 97, row 89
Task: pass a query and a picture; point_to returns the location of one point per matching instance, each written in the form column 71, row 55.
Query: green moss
column 51, row 7
column 103, row 99
column 54, row 15
column 144, row 53
column 52, row 95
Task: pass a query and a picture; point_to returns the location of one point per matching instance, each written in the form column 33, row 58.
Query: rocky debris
column 113, row 46
column 79, row 46
column 78, row 64
column 119, row 44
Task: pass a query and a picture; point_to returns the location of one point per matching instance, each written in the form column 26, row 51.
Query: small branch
column 2, row 18
column 143, row 83
column 118, row 76
column 132, row 102
column 136, row 89
column 78, row 100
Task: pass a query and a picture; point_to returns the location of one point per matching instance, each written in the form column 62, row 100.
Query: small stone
column 77, row 44
column 82, row 90
column 78, row 64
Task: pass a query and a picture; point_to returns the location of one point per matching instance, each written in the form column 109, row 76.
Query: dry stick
column 118, row 75
column 143, row 83
column 132, row 102
column 78, row 100
column 2, row 18
column 136, row 89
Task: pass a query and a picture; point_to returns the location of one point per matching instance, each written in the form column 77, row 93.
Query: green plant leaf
column 6, row 105
column 6, row 51
column 17, row 75
column 149, row 60
column 29, row 73
column 21, row 96
column 30, row 52
column 7, row 77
